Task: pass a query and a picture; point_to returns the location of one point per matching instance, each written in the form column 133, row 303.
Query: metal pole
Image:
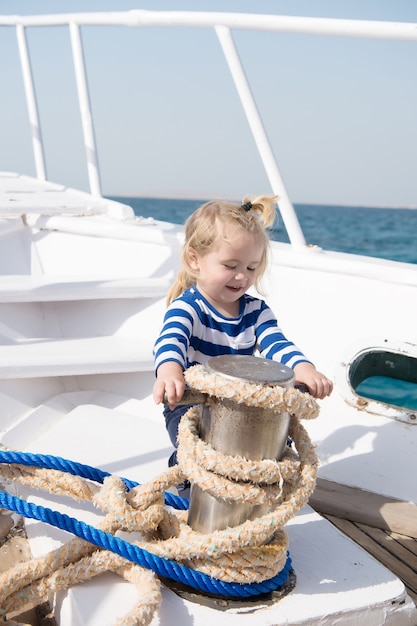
column 239, row 430
column 261, row 139
column 405, row 31
column 35, row 126
column 85, row 110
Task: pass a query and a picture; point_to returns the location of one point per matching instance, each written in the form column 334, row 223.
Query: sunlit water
column 384, row 233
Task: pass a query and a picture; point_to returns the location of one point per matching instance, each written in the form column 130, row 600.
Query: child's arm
column 170, row 382
column 318, row 384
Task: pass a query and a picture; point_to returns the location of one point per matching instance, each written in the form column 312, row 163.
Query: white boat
column 82, row 295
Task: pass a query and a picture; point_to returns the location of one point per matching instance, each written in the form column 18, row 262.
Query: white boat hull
column 78, row 323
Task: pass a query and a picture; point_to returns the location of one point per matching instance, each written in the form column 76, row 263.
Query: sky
column 341, row 114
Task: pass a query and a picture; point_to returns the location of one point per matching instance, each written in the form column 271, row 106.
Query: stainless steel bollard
column 238, row 430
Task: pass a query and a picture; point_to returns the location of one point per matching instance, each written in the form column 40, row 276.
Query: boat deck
column 345, row 583
column 385, row 527
column 396, row 552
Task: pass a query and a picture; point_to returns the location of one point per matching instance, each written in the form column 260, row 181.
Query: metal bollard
column 239, row 430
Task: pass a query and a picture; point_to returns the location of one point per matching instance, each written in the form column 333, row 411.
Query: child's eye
column 230, row 267
column 251, row 269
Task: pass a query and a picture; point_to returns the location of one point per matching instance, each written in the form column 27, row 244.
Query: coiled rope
column 248, row 560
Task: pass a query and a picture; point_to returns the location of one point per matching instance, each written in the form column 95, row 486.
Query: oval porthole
column 383, row 379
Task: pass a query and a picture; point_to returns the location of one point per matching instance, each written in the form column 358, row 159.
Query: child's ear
column 192, row 258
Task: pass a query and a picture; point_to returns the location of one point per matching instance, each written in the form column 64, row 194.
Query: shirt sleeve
column 272, row 342
column 174, row 338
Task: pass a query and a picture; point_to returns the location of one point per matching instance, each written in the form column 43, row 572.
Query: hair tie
column 247, row 206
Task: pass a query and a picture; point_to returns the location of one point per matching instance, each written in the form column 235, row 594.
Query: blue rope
column 78, row 469
column 162, row 567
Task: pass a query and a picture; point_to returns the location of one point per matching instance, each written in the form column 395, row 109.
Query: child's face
column 226, row 272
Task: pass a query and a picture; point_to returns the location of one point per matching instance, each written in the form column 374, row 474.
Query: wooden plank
column 358, row 505
column 407, row 542
column 375, row 542
column 405, row 564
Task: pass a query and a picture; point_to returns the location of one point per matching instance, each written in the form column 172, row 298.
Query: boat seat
column 43, row 288
column 70, row 357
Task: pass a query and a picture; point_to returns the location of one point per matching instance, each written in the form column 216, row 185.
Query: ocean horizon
column 382, row 232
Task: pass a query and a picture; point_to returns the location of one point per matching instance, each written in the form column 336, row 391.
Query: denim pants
column 172, row 419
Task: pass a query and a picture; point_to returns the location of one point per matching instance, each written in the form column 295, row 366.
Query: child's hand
column 319, row 386
column 169, row 382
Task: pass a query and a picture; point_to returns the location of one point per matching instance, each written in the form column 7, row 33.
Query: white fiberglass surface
column 103, row 256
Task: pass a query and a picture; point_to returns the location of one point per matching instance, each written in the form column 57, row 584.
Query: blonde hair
column 202, row 230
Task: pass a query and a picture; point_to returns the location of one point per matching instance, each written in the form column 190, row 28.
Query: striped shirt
column 193, row 332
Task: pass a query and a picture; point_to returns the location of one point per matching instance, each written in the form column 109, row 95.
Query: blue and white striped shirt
column 193, row 332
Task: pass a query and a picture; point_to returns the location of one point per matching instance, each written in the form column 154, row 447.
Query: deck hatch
column 383, row 380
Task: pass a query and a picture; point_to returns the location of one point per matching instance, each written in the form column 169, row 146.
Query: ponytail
column 264, row 206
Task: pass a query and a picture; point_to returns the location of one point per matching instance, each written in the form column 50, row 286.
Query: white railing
column 222, row 23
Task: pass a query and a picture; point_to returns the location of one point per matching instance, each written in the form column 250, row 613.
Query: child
column 209, row 312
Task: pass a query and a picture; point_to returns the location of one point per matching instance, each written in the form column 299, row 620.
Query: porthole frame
column 378, row 358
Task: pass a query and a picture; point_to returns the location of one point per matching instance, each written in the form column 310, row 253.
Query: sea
column 387, row 233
